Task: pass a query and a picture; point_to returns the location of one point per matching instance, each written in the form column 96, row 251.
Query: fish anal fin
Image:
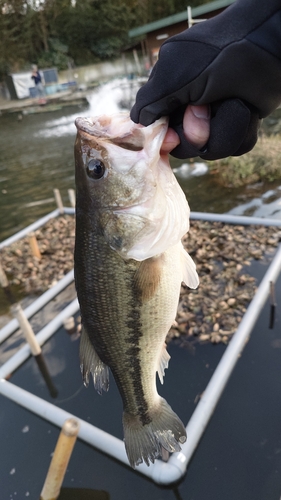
column 163, row 363
column 190, row 276
column 91, row 363
column 148, row 276
column 145, row 443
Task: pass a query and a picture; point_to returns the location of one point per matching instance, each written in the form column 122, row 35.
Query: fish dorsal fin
column 148, row 275
column 163, row 363
column 91, row 363
column 190, row 276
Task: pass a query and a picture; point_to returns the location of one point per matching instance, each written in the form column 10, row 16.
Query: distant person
column 40, row 90
column 216, row 81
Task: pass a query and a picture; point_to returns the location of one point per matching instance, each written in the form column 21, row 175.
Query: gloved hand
column 231, row 62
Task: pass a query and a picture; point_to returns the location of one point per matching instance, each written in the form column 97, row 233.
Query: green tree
column 147, row 11
column 93, row 30
column 13, row 46
column 52, row 32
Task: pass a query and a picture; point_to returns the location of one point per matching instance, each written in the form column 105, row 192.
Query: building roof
column 181, row 16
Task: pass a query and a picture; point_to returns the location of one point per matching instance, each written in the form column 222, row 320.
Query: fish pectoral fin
column 190, row 276
column 147, row 277
column 91, row 363
column 163, row 363
column 162, row 435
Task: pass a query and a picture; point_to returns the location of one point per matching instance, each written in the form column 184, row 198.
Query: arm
column 231, row 62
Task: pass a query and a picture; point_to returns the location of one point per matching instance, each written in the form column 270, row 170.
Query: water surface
column 36, row 156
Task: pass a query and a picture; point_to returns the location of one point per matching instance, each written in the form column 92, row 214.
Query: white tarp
column 22, row 84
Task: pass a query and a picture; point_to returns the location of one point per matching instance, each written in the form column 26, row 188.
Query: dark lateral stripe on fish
column 135, row 328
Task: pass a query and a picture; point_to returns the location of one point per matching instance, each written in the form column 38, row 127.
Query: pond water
column 36, row 156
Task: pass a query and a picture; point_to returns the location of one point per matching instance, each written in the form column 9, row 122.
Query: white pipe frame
column 35, row 225
column 160, row 472
column 38, row 304
column 24, row 352
column 226, row 218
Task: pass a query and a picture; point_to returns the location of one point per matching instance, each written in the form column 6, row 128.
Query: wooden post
column 6, row 287
column 59, row 462
column 58, row 200
column 35, row 348
column 272, row 305
column 26, row 329
column 34, row 245
column 137, row 62
column 3, row 278
column 69, row 325
column 71, row 195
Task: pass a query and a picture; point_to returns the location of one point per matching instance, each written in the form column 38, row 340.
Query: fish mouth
column 88, row 125
column 102, row 128
column 127, row 135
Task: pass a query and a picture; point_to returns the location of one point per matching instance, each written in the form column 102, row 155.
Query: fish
column 129, row 263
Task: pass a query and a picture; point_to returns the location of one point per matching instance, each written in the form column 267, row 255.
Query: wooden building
column 152, row 35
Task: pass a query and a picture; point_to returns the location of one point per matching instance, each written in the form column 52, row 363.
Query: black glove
column 231, row 62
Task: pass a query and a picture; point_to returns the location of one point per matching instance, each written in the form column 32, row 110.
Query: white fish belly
column 157, row 316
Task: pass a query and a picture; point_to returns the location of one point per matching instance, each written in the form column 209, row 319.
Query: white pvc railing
column 36, row 225
column 38, row 304
column 242, row 220
column 163, row 473
column 24, row 352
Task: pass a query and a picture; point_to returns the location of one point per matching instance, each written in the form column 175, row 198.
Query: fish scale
column 107, row 295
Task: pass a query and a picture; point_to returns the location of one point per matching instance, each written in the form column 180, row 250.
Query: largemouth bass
column 129, row 264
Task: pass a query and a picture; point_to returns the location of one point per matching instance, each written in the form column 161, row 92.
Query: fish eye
column 95, row 169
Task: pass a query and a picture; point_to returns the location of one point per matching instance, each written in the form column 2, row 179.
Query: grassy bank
column 263, row 163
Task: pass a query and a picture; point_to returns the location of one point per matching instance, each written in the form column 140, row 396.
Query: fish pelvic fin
column 163, row 363
column 91, row 363
column 163, row 435
column 190, row 276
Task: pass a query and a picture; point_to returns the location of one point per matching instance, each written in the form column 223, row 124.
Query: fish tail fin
column 91, row 363
column 146, row 442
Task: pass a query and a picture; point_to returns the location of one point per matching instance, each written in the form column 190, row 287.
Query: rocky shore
column 223, row 254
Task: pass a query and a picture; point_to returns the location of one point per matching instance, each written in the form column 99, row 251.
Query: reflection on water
column 82, row 494
column 43, row 368
column 187, row 170
column 204, row 194
column 267, row 205
column 37, row 156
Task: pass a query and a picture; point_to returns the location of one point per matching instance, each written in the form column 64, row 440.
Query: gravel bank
column 222, row 254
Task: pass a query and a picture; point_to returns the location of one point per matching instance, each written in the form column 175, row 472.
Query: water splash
column 109, row 98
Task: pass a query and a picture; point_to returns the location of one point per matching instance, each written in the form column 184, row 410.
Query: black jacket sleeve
column 233, row 63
